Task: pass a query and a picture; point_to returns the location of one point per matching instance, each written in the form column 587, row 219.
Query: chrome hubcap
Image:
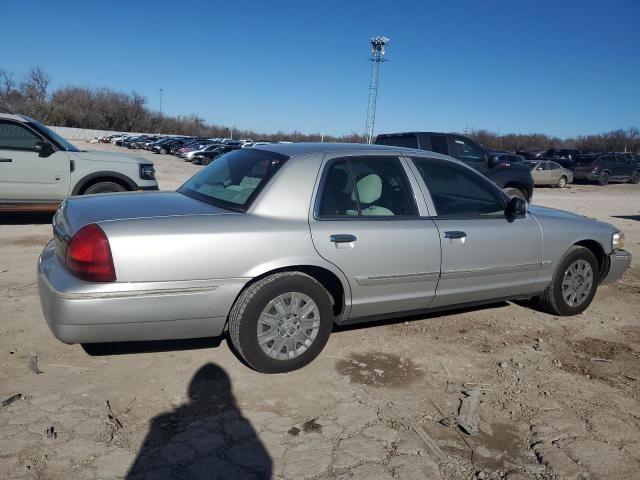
column 288, row 325
column 577, row 283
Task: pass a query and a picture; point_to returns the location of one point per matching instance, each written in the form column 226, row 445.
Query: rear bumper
column 619, row 262
column 85, row 312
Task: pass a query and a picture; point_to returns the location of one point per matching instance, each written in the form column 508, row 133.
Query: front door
column 366, row 222
column 26, row 176
column 485, row 255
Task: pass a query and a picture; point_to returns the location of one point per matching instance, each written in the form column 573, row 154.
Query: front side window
column 14, row 136
column 366, row 187
column 457, row 191
column 234, row 179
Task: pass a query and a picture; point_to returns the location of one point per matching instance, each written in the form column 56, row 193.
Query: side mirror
column 44, row 149
column 539, row 169
column 517, row 207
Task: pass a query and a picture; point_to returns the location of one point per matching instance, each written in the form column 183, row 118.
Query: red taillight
column 89, row 255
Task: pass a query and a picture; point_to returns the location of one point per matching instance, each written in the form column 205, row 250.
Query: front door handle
column 6, row 160
column 453, row 234
column 342, row 238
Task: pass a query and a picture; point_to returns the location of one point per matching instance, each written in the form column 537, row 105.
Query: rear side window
column 234, row 179
column 467, row 151
column 16, row 137
column 458, row 192
column 406, row 141
column 366, row 187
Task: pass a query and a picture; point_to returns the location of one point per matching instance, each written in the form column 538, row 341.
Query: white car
column 39, row 168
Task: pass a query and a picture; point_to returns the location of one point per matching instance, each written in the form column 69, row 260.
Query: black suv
column 605, row 167
column 513, row 177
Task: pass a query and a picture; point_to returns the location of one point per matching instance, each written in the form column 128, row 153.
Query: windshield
column 234, row 179
column 57, row 139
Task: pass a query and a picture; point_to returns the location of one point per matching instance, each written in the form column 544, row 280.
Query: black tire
column 604, row 178
column 162, row 151
column 635, row 178
column 104, row 187
column 243, row 320
column 562, row 182
column 515, row 192
column 552, row 299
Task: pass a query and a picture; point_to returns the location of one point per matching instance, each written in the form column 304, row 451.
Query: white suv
column 38, row 168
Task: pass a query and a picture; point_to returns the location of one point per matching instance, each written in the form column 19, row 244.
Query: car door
column 555, row 172
column 485, row 255
column 26, row 175
column 367, row 221
column 538, row 174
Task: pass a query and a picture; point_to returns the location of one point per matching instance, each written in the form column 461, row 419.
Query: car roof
column 11, row 116
column 308, row 148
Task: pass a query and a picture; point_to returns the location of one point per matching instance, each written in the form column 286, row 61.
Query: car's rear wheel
column 281, row 323
column 604, row 178
column 163, row 151
column 635, row 178
column 515, row 192
column 562, row 182
column 104, row 187
column 574, row 283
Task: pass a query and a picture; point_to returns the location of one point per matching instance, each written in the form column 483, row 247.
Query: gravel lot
column 560, row 397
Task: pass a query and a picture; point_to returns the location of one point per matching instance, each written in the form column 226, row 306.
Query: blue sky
column 563, row 67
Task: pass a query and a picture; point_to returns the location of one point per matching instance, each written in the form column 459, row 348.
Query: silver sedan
column 546, row 172
column 278, row 243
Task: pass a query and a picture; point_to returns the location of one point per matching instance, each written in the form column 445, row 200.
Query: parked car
column 277, row 243
column 38, row 168
column 563, row 156
column 168, row 146
column 546, row 172
column 605, row 167
column 513, row 178
column 188, row 156
column 205, row 158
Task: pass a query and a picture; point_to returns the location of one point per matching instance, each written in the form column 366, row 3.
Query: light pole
column 377, row 52
column 231, row 132
column 160, row 101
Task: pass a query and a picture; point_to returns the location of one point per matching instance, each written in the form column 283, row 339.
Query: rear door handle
column 6, row 160
column 452, row 234
column 342, row 238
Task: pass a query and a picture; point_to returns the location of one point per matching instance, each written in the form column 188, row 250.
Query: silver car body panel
column 181, row 263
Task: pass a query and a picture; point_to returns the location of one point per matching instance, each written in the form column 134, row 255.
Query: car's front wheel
column 635, row 178
column 163, row 151
column 574, row 283
column 562, row 182
column 282, row 322
column 104, row 187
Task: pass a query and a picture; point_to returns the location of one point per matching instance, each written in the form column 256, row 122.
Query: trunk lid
column 76, row 212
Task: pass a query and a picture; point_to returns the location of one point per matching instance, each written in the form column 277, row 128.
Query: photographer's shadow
column 205, row 439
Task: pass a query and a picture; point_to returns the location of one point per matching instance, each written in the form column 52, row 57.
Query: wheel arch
column 599, row 252
column 337, row 287
column 105, row 176
column 523, row 187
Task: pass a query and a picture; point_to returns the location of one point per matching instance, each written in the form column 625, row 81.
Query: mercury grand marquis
column 276, row 244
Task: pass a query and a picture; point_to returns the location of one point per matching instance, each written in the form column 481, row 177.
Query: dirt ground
column 559, row 397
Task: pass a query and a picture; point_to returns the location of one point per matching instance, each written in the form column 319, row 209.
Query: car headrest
column 369, row 188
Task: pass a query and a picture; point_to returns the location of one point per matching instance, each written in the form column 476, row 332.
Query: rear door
column 369, row 222
column 485, row 255
column 24, row 174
